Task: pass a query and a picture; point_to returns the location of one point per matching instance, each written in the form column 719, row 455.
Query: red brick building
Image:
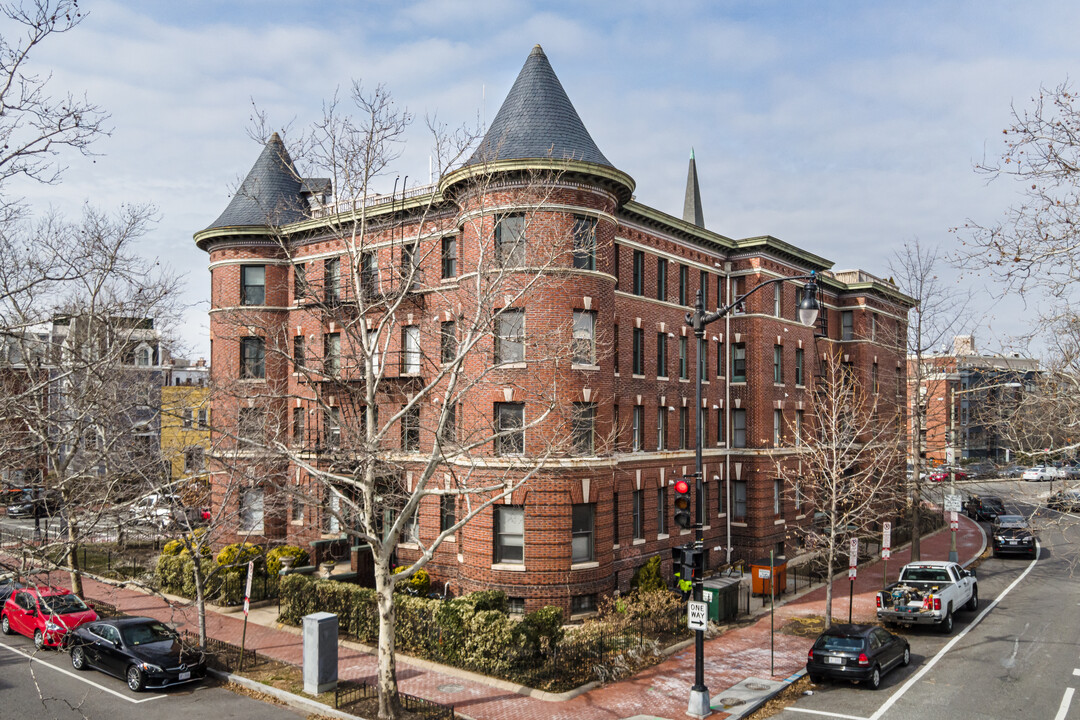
column 580, row 528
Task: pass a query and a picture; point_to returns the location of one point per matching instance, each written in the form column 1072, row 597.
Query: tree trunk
column 830, row 557
column 200, row 595
column 916, row 523
column 389, row 705
column 73, row 560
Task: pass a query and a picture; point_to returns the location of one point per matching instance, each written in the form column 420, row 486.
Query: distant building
column 185, row 422
column 965, row 389
column 581, row 528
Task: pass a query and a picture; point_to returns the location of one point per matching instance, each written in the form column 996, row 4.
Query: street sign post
column 853, row 562
column 886, row 551
column 697, row 615
column 953, row 503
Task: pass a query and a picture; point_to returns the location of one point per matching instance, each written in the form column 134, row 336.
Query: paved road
column 1018, row 657
column 45, row 686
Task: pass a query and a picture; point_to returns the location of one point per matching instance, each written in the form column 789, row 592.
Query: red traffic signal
column 682, row 504
column 682, row 487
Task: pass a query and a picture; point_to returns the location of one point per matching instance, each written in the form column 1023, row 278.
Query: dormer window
column 144, row 356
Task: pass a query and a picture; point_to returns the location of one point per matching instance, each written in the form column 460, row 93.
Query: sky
column 847, row 129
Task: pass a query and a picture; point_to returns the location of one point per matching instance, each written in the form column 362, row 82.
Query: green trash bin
column 722, row 595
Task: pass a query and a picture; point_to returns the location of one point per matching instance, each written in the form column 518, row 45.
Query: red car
column 942, row 475
column 45, row 614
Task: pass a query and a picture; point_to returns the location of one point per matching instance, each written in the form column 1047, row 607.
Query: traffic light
column 682, row 503
column 693, row 563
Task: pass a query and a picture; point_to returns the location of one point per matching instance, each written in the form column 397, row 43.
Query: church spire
column 692, row 202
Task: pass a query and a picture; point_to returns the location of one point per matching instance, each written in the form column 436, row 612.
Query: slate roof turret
column 692, row 202
column 269, row 195
column 537, row 120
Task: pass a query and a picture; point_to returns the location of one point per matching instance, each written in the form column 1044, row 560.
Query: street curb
column 753, row 707
column 288, row 698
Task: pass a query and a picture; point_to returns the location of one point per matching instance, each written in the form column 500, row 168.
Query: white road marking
column 1076, row 671
column 949, row 645
column 122, row 696
column 1066, row 701
column 827, row 714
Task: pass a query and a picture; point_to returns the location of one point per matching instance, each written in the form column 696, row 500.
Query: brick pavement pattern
column 661, row 691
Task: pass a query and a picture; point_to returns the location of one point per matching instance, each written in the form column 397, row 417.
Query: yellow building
column 185, row 425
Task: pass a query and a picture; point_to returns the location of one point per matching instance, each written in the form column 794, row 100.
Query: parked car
column 1039, row 473
column 1013, row 471
column 1064, row 501
column 34, row 502
column 856, row 652
column 981, row 470
column 984, row 507
column 1013, row 534
column 164, row 511
column 8, row 585
column 928, row 593
column 141, row 650
column 1071, row 472
column 45, row 614
column 943, row 474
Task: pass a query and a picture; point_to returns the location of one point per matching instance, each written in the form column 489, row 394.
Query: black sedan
column 1012, row 534
column 141, row 650
column 985, row 507
column 857, row 653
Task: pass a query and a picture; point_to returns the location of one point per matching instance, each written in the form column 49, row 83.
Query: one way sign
column 697, row 615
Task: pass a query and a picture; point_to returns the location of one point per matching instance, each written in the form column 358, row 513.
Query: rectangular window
column 661, row 354
column 847, row 325
column 661, row 279
column 639, row 351
column 299, row 420
column 448, row 431
column 332, row 426
column 873, row 326
column 332, row 353
column 296, row 509
column 300, row 283
column 684, row 285
column 639, row 272
column 510, row 337
column 616, row 268
column 720, row 439
column 510, row 534
column 799, row 379
column 703, row 359
column 778, row 364
column 777, row 498
column 251, row 423
column 661, row 511
column 510, row 425
column 251, row 511
column 448, row 341
column 874, row 378
column 583, row 518
column 204, row 419
column 616, row 430
column 798, row 301
column 738, row 284
column 639, row 428
column 584, row 428
column 778, row 296
column 410, row 429
column 639, row 514
column 684, row 428
column 738, row 427
column 798, row 496
column 684, row 365
column 703, row 279
column 252, row 357
column 410, row 350
column 187, row 417
column 449, row 256
column 703, row 418
column 332, row 279
column 580, row 604
column 719, row 359
column 615, row 519
column 798, row 428
column 410, row 272
column 777, row 427
column 584, row 337
column 252, row 284
column 447, row 512
column 615, row 348
column 738, row 362
column 510, row 241
column 584, row 243
column 369, row 275
column 661, row 428
column 740, row 499
column 299, row 353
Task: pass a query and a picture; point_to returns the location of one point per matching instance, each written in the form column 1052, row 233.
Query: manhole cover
column 756, row 687
column 451, row 688
column 731, row 702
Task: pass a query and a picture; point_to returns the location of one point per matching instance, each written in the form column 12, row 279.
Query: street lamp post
column 698, row 320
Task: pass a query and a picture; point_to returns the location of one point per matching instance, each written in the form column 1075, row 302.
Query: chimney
column 964, row 345
column 201, row 362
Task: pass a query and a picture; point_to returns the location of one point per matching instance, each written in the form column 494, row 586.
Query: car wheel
column 973, row 603
column 135, row 679
column 946, row 625
column 874, row 681
column 78, row 658
column 5, row 625
column 906, row 660
column 39, row 640
column 816, row 679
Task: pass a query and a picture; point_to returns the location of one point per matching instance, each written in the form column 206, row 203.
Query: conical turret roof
column 692, row 202
column 537, row 121
column 269, row 195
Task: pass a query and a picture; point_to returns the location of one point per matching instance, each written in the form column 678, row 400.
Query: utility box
column 722, row 595
column 320, row 652
column 766, row 579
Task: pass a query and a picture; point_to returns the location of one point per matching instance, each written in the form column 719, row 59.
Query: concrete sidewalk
column 737, row 658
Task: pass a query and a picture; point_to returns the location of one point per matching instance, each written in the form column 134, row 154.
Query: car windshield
column 1014, row 532
column 993, row 503
column 63, row 604
column 143, row 633
column 1013, row 520
column 925, row 574
column 838, row 643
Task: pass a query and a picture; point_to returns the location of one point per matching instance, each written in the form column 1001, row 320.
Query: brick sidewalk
column 661, row 691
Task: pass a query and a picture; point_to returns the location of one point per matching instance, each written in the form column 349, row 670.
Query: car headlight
column 148, row 667
column 999, row 539
column 53, row 627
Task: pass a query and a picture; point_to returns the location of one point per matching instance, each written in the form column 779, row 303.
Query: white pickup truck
column 928, row 593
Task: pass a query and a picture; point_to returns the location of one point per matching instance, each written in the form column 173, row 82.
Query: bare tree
column 849, row 462
column 390, row 406
column 939, row 314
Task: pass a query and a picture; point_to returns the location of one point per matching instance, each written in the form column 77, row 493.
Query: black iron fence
column 222, row 655
column 350, row 692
